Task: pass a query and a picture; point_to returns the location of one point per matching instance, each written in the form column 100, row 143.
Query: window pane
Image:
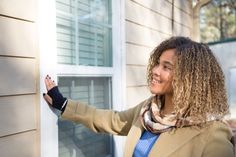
column 84, row 32
column 74, row 139
column 94, row 45
column 65, row 40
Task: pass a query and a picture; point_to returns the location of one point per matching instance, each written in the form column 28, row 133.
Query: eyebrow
column 168, row 63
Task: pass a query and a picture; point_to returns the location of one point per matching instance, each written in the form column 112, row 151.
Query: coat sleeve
column 219, row 144
column 100, row 120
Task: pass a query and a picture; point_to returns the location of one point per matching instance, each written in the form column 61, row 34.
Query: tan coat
column 210, row 141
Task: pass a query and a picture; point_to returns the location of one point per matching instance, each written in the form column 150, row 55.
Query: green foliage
column 218, row 20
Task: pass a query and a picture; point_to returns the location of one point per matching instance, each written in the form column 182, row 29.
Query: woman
column 183, row 118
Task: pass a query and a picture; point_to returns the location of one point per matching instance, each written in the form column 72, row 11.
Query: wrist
column 58, row 101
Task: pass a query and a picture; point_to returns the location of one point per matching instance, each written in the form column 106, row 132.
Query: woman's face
column 162, row 74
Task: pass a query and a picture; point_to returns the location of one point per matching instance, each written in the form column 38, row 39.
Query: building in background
column 97, row 51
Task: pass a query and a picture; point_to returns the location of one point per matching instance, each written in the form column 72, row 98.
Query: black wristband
column 58, row 101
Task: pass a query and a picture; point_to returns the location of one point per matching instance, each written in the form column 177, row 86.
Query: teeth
column 155, row 81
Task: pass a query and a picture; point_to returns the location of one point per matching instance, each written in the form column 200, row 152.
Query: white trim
column 119, row 59
column 83, row 70
column 47, row 51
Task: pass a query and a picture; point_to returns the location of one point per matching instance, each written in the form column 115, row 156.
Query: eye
column 165, row 67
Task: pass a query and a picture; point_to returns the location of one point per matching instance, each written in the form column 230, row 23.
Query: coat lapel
column 169, row 142
column 132, row 138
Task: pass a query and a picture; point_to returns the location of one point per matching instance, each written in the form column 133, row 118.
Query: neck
column 168, row 107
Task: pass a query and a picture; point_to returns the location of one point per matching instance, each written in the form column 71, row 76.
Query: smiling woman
column 163, row 73
column 187, row 107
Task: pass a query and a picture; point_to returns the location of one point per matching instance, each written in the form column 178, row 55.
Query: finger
column 49, row 83
column 47, row 98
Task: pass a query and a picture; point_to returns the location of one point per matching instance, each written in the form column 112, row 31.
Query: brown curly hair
column 198, row 83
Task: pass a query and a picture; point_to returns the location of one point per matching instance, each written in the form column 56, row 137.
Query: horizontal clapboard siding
column 147, row 23
column 19, row 134
column 18, row 114
column 22, row 145
column 11, row 43
column 18, row 76
column 23, row 9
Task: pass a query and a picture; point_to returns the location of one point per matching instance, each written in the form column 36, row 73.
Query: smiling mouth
column 154, row 81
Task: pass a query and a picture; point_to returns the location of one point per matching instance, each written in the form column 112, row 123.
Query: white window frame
column 48, row 65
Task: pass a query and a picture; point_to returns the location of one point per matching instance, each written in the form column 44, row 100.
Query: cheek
column 168, row 76
column 170, row 80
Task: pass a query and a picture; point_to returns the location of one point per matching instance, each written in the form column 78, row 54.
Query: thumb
column 47, row 98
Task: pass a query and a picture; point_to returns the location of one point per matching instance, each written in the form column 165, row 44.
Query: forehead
column 168, row 55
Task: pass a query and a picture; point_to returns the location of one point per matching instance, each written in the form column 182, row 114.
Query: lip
column 154, row 81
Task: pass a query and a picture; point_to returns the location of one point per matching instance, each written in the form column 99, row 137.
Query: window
column 74, row 139
column 84, row 32
column 85, row 70
column 81, row 46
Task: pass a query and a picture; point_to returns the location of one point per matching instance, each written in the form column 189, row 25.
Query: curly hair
column 198, row 83
column 171, row 43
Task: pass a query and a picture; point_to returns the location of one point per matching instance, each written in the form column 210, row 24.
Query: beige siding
column 161, row 7
column 11, row 31
column 12, row 119
column 136, row 76
column 18, row 76
column 148, row 22
column 184, row 5
column 137, row 55
column 182, row 17
column 19, row 108
column 147, row 17
column 137, row 94
column 23, row 9
column 143, row 36
column 19, row 145
column 181, row 30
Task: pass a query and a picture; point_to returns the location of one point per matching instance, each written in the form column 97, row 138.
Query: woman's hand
column 53, row 96
column 49, row 85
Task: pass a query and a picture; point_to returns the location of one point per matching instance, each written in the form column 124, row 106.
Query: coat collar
column 166, row 144
column 169, row 142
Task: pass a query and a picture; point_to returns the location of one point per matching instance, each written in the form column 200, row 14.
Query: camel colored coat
column 210, row 141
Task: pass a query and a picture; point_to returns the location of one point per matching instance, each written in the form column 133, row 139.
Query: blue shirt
column 145, row 144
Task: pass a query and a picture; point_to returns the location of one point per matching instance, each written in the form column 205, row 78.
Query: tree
column 218, row 20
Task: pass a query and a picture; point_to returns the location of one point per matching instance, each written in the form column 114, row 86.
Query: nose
column 156, row 71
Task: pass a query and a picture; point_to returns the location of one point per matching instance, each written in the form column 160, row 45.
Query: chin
column 155, row 92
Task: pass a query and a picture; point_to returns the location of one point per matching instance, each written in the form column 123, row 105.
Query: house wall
column 147, row 23
column 18, row 81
